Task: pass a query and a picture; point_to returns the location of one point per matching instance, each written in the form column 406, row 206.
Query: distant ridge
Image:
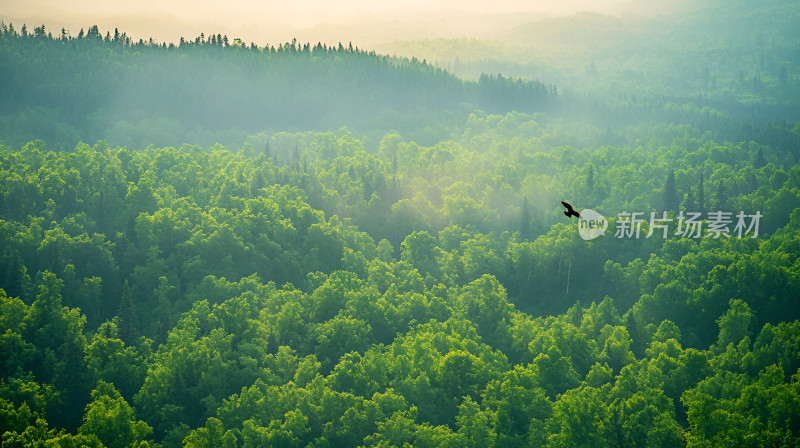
column 217, row 83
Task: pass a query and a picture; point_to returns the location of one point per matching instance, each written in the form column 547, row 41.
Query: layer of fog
column 365, row 24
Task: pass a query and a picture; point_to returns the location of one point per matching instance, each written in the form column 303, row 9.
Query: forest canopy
column 375, row 254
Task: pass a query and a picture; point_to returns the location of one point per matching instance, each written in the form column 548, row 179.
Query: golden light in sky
column 273, row 21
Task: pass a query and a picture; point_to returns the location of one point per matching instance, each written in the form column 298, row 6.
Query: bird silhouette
column 570, row 212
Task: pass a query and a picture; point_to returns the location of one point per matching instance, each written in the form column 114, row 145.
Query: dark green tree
column 759, row 161
column 127, row 316
column 670, row 195
column 721, row 196
column 525, row 219
column 701, row 196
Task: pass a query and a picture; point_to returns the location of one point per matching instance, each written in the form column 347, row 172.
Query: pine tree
column 101, row 219
column 163, row 308
column 127, row 316
column 759, row 161
column 13, row 283
column 721, row 198
column 73, row 380
column 55, row 257
column 701, row 196
column 670, row 193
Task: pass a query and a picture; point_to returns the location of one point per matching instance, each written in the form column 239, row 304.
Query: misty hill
column 89, row 87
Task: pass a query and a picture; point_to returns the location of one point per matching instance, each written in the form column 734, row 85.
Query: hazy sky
column 275, row 21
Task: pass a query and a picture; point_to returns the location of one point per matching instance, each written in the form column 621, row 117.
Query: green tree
column 212, row 435
column 580, row 419
column 670, row 200
column 126, row 316
column 759, row 161
column 701, row 196
column 110, row 360
column 555, row 372
column 112, row 420
column 473, row 425
column 421, row 250
column 734, row 324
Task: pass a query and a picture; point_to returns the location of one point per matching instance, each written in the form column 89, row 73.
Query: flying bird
column 569, row 211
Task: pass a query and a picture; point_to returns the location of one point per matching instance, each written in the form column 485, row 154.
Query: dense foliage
column 316, row 288
column 173, row 283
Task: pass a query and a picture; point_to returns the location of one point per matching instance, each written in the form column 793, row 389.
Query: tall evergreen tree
column 721, row 196
column 759, row 161
column 127, row 316
column 73, row 380
column 701, row 196
column 164, row 322
column 670, row 200
column 13, row 283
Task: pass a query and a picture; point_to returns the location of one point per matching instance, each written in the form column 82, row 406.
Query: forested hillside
column 412, row 283
column 89, row 87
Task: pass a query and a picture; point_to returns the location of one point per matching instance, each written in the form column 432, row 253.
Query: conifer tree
column 759, row 161
column 127, row 316
column 670, row 193
column 701, row 196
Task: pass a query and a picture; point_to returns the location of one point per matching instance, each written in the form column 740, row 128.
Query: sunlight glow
column 271, row 21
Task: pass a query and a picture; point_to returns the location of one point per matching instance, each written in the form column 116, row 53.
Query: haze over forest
column 361, row 22
column 238, row 225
